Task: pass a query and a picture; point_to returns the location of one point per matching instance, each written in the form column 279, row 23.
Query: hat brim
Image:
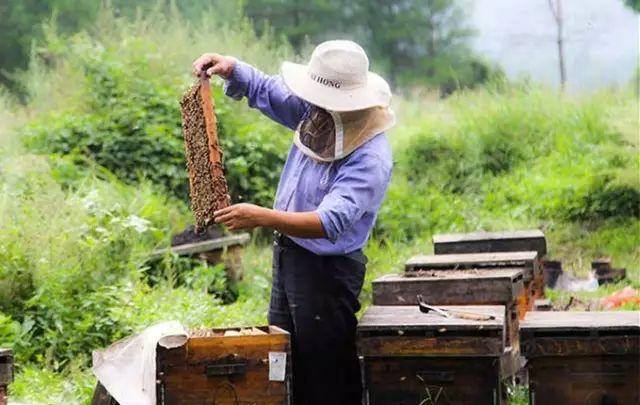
column 375, row 93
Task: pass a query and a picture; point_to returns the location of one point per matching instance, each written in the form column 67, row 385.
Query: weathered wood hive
column 6, row 373
column 494, row 242
column 527, row 262
column 215, row 367
column 461, row 287
column 582, row 357
column 410, row 357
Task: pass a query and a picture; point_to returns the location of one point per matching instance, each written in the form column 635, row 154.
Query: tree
column 298, row 20
column 410, row 41
column 21, row 24
column 633, row 4
column 556, row 10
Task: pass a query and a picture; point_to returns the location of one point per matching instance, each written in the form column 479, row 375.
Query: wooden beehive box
column 227, row 370
column 410, row 357
column 582, row 357
column 526, row 261
column 460, row 287
column 6, row 373
column 484, row 242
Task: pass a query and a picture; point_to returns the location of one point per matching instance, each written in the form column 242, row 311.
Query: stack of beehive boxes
column 411, row 357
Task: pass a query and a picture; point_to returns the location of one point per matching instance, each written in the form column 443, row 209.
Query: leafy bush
column 9, row 330
column 129, row 120
column 132, row 128
column 69, row 256
column 606, row 198
column 510, row 156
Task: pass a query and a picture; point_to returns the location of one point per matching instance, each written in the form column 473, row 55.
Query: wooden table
column 582, row 357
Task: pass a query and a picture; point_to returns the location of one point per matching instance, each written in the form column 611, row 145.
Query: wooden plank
column 477, row 242
column 407, row 318
column 564, row 321
column 447, row 287
column 204, row 246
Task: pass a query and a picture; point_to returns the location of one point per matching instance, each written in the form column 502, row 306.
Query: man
column 330, row 190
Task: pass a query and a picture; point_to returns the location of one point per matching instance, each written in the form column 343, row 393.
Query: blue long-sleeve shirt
column 346, row 194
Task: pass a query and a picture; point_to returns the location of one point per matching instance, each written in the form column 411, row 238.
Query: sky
column 601, row 40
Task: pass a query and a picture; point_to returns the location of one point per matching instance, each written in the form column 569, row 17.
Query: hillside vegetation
column 93, row 180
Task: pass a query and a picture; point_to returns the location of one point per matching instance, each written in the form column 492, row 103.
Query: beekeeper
column 330, row 190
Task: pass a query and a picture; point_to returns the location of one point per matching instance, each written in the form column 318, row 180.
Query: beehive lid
column 477, row 242
column 409, row 317
column 478, row 236
column 526, row 260
column 570, row 321
column 462, row 274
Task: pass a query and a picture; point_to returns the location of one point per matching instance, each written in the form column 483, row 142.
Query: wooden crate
column 6, row 373
column 462, row 287
column 582, row 357
column 225, row 370
column 482, row 242
column 410, row 357
column 528, row 262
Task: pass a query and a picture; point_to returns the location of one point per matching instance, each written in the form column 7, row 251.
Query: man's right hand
column 213, row 64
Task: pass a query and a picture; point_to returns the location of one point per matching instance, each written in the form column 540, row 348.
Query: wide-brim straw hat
column 337, row 78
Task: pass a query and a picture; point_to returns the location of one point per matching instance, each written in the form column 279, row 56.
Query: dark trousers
column 315, row 298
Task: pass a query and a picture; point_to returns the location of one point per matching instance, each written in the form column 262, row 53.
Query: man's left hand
column 241, row 216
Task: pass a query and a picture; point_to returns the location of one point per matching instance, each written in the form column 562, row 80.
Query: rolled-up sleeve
column 359, row 187
column 266, row 93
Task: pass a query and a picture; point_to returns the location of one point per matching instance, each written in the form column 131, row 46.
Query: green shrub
column 126, row 118
column 439, row 161
column 9, row 330
column 70, row 255
column 605, row 198
column 508, row 157
column 133, row 128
